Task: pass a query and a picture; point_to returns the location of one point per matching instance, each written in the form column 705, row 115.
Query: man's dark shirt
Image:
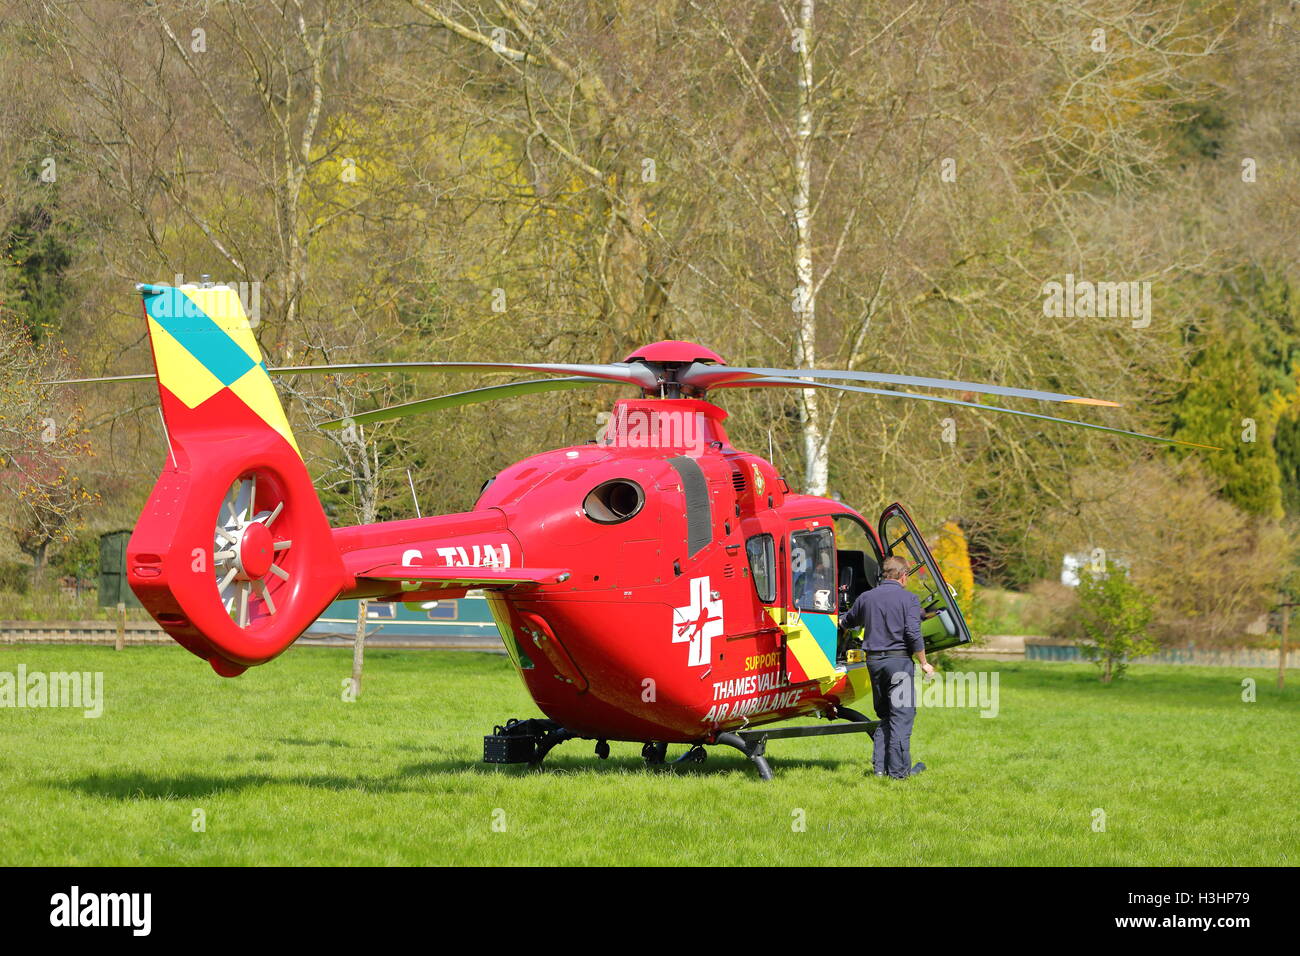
column 891, row 616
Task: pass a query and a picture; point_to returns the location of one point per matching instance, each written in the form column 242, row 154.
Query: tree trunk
column 359, row 648
column 38, row 554
column 816, row 450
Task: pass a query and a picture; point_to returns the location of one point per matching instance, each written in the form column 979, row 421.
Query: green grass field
column 286, row 772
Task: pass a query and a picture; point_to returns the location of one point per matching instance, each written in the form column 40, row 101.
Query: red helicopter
column 656, row 586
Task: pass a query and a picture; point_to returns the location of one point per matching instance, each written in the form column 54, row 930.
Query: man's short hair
column 894, row 567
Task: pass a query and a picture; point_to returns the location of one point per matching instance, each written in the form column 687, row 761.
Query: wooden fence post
column 359, row 647
column 1281, row 651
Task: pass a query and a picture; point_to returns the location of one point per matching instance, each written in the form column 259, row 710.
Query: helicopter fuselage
column 678, row 617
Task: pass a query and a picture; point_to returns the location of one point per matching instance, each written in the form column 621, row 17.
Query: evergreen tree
column 1225, row 406
column 953, row 558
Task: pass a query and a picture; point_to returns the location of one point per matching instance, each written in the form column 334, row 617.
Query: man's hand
column 927, row 669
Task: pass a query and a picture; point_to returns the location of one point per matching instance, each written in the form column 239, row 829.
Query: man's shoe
column 917, row 769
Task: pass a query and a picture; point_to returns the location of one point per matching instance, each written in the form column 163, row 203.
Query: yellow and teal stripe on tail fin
column 203, row 343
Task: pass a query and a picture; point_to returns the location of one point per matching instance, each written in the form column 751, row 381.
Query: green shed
column 112, row 570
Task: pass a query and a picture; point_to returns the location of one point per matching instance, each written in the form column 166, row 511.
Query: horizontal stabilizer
column 488, row 578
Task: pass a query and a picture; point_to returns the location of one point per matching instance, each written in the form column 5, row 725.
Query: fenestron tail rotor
column 245, row 551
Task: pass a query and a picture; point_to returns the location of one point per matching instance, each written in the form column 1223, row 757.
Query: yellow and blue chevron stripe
column 203, row 343
column 811, row 639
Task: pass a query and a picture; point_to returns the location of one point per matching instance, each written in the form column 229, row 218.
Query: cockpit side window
column 762, row 566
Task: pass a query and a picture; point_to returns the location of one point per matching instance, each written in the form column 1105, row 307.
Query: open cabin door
column 942, row 623
column 809, row 615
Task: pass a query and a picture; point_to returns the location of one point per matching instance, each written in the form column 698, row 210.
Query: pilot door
column 810, row 615
column 942, row 624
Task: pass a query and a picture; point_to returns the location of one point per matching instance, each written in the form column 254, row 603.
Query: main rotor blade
column 629, row 373
column 145, row 377
column 713, row 376
column 471, row 397
column 796, row 383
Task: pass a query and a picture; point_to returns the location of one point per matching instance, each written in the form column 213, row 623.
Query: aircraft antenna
column 410, row 481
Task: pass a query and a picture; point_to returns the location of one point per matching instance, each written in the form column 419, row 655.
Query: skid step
column 753, row 743
column 812, row 730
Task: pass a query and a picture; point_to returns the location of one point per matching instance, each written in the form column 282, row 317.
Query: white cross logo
column 698, row 622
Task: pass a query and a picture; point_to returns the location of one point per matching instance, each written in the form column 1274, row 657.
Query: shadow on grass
column 140, row 785
column 721, row 762
column 1162, row 684
column 300, row 742
column 144, row 786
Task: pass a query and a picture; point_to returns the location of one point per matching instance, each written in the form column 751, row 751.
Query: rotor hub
column 668, row 359
column 247, row 556
column 254, row 551
column 674, row 352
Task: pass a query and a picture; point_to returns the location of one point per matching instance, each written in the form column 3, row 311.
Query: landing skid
column 751, row 748
column 753, row 743
column 529, row 741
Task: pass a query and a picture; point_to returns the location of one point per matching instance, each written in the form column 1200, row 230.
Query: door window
column 857, row 557
column 942, row 623
column 812, row 568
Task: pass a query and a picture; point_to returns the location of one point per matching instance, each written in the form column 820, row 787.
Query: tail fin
column 232, row 555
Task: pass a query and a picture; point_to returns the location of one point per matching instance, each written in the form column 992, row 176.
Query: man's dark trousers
column 894, row 700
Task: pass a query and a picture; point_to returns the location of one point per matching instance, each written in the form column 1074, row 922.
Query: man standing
column 891, row 617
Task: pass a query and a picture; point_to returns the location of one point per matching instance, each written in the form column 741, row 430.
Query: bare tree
column 42, row 443
column 566, row 107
